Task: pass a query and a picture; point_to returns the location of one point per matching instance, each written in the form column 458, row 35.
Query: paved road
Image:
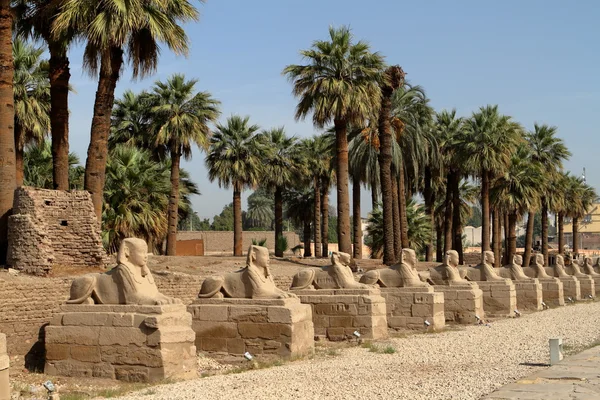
column 575, row 377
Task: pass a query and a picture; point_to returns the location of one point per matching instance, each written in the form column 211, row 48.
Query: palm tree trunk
column 20, row 168
column 278, row 219
column 528, row 238
column 343, row 193
column 325, row 219
column 357, row 222
column 173, row 212
column 428, row 198
column 485, row 210
column 512, row 237
column 374, row 196
column 506, row 257
column 402, row 208
column 237, row 219
column 396, row 220
column 439, row 248
column 575, row 236
column 59, row 114
column 317, row 217
column 545, row 229
column 7, row 138
column 307, row 252
column 448, row 212
column 497, row 237
column 385, row 176
column 456, row 219
column 95, row 166
column 561, row 232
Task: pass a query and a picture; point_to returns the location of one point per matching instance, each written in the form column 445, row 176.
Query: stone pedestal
column 462, row 302
column 499, row 297
column 125, row 342
column 281, row 327
column 552, row 291
column 596, row 283
column 571, row 287
column 337, row 313
column 410, row 307
column 4, row 364
column 529, row 295
column 587, row 287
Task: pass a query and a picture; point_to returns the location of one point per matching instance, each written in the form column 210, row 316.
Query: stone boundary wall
column 221, row 242
column 28, row 303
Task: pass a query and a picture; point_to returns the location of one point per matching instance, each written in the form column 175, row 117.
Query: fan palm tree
column 38, row 167
column 580, row 197
column 281, row 168
column 32, row 99
column 34, row 20
column 486, row 146
column 235, row 159
column 299, row 204
column 130, row 121
column 7, row 138
column 339, row 84
column 550, row 152
column 180, row 119
column 260, row 209
column 114, row 31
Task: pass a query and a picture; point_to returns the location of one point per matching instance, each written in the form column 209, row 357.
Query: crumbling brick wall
column 53, row 227
column 221, row 242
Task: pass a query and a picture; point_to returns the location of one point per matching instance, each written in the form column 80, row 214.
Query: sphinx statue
column 446, row 273
column 514, row 271
column 537, row 270
column 402, row 274
column 484, row 271
column 254, row 281
column 130, row 282
column 559, row 268
column 338, row 275
column 588, row 267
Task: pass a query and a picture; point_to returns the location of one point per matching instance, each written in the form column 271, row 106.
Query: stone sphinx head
column 539, row 259
column 488, row 257
column 559, row 260
column 451, row 259
column 587, row 261
column 133, row 252
column 258, row 257
column 409, row 257
column 517, row 259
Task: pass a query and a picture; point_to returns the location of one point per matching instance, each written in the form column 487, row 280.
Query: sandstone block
column 83, row 335
column 85, row 319
column 86, row 353
column 215, row 329
column 121, row 336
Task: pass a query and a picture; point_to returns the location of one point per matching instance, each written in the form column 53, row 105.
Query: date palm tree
column 580, row 197
column 7, row 138
column 235, row 160
column 115, row 31
column 32, row 99
column 338, row 84
column 550, row 152
column 299, row 203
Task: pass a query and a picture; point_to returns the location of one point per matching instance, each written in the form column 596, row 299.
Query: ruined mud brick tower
column 51, row 228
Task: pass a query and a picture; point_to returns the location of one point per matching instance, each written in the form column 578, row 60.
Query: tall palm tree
column 550, row 151
column 32, row 99
column 114, row 31
column 35, row 19
column 281, row 168
column 180, row 119
column 131, row 120
column 393, row 79
column 299, row 203
column 339, row 85
column 260, row 209
column 38, row 167
column 7, row 138
column 580, row 198
column 235, row 159
column 486, row 146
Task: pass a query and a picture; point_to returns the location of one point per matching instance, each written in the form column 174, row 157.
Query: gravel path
column 461, row 364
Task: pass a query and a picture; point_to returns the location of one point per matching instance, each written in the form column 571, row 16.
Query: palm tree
column 260, row 209
column 580, row 198
column 280, row 170
column 550, row 151
column 7, row 138
column 486, row 146
column 338, row 84
column 130, row 122
column 299, row 204
column 114, row 30
column 32, row 99
column 180, row 120
column 235, row 159
column 393, row 79
column 38, row 167
column 35, row 19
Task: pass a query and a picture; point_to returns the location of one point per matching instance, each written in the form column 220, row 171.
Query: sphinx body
column 484, row 271
column 402, row 274
column 588, row 267
column 338, row 275
column 254, row 281
column 447, row 273
column 514, row 271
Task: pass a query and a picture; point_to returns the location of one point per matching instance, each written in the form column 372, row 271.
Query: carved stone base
column 587, row 287
column 499, row 297
column 4, row 364
column 337, row 313
column 529, row 295
column 553, row 293
column 410, row 307
column 462, row 302
column 281, row 327
column 596, row 284
column 571, row 287
column 125, row 342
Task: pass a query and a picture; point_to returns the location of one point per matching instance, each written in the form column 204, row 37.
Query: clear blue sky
column 537, row 59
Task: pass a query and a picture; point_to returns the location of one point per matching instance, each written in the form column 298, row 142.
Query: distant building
column 589, row 230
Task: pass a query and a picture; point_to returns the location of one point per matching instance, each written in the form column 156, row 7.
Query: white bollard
column 4, row 384
column 556, row 350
